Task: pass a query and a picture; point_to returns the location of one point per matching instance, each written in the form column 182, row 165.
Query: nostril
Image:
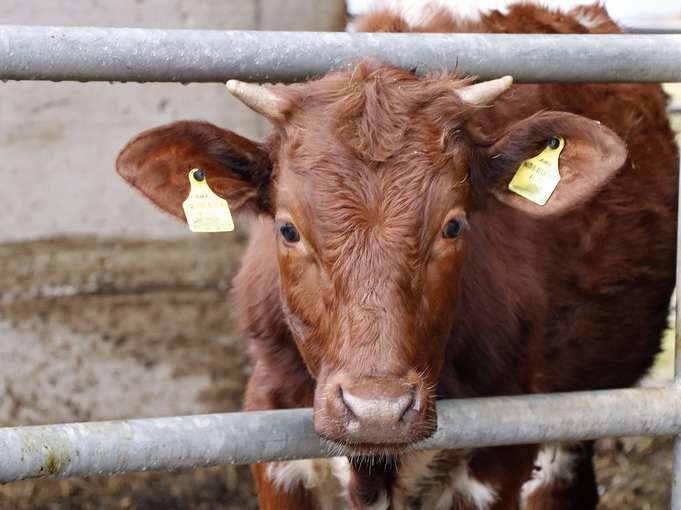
column 418, row 401
column 406, row 403
column 346, row 404
column 378, row 410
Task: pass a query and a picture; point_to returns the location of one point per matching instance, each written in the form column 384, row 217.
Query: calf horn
column 265, row 102
column 484, row 93
column 258, row 98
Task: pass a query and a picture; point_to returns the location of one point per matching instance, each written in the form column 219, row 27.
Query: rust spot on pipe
column 53, row 464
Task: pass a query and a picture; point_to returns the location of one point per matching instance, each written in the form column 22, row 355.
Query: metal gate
column 143, row 55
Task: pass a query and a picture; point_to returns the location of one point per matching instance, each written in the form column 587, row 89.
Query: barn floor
column 151, row 319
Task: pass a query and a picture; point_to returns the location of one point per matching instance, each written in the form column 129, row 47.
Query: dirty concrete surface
column 97, row 328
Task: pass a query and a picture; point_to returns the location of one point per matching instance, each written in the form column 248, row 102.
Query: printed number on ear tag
column 205, row 211
column 537, row 177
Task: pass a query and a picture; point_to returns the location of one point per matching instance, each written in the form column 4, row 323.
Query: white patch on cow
column 463, row 487
column 326, row 478
column 418, row 13
column 588, row 18
column 418, row 477
column 469, row 11
column 340, row 466
column 382, row 503
column 553, row 463
column 286, row 475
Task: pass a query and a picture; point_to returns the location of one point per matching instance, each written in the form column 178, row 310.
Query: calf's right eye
column 452, row 229
column 289, row 233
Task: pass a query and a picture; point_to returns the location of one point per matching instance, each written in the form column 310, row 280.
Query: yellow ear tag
column 205, row 211
column 537, row 177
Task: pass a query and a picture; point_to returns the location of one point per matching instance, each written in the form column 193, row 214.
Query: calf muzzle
column 377, row 410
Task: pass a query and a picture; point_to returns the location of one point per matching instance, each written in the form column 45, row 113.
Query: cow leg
column 480, row 479
column 504, row 468
column 284, row 485
column 563, row 479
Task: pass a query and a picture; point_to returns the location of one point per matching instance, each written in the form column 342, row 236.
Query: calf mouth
column 353, row 448
column 365, row 450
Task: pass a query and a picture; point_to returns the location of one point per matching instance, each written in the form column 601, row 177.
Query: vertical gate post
column 676, row 463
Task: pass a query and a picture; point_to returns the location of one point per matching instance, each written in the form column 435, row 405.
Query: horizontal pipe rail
column 154, row 55
column 242, row 438
column 672, row 27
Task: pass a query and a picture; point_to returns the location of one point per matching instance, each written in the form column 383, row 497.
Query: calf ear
column 157, row 162
column 592, row 155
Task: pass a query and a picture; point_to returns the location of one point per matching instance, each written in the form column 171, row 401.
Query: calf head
column 371, row 178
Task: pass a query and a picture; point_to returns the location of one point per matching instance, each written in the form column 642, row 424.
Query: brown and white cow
column 390, row 265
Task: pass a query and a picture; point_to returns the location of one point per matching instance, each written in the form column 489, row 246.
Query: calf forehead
column 321, row 176
column 371, row 117
column 368, row 163
column 377, row 212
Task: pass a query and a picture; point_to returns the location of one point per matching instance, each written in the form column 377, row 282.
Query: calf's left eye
column 289, row 233
column 452, row 229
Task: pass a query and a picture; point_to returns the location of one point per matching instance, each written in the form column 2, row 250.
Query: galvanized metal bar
column 676, row 478
column 676, row 462
column 240, row 438
column 673, row 27
column 654, row 30
column 130, row 54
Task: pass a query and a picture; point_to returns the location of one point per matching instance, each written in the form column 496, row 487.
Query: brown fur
column 369, row 164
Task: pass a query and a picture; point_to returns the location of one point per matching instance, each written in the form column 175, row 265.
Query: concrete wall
column 59, row 141
column 109, row 308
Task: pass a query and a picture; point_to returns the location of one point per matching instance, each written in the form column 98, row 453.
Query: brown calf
column 390, row 265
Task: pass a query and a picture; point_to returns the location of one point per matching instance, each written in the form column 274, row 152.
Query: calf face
column 372, row 178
